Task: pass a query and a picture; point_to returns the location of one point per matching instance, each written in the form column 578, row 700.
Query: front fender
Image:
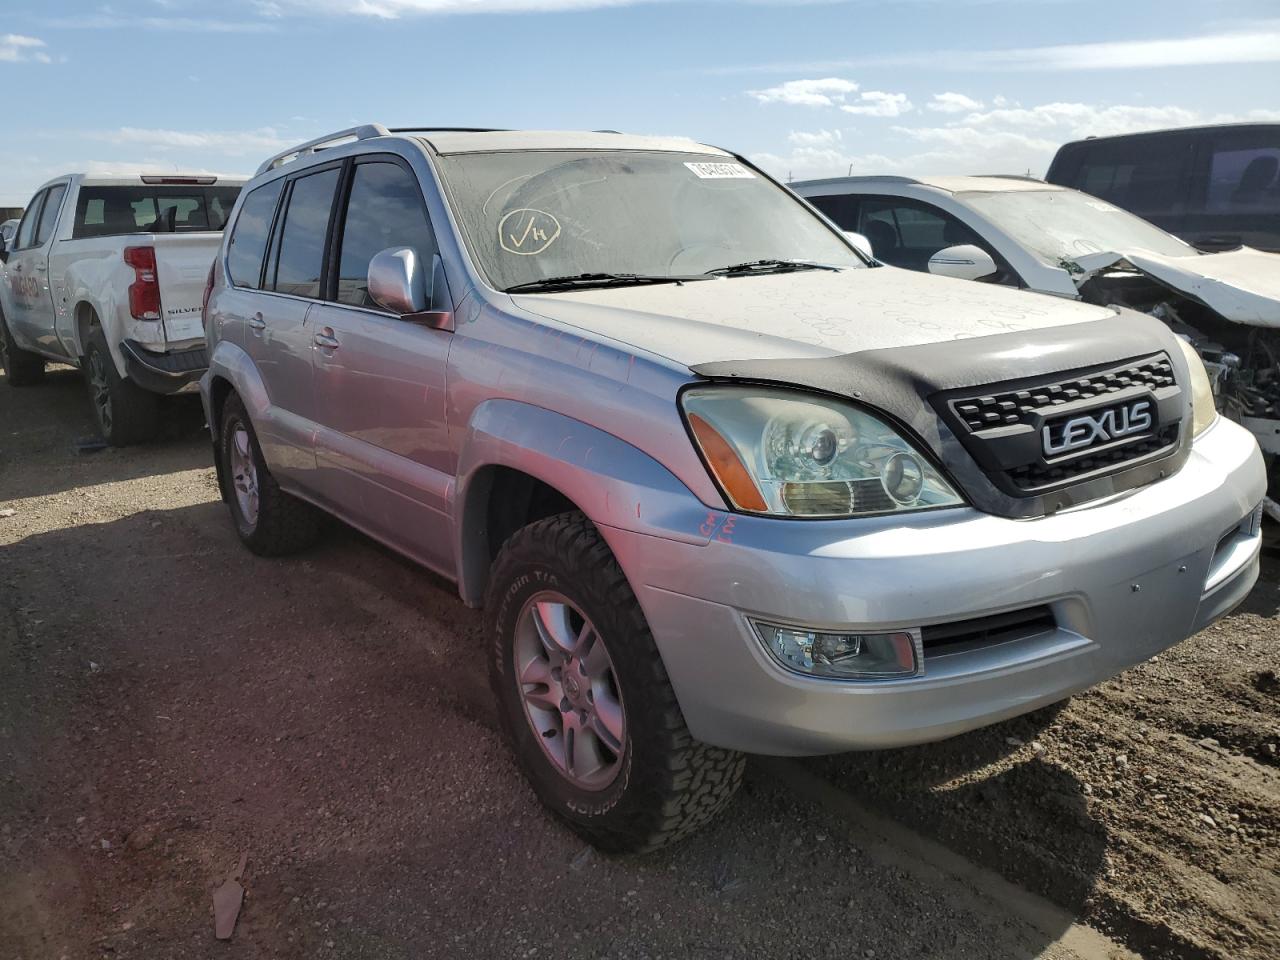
column 615, row 484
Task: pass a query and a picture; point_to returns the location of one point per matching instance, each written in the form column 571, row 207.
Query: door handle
column 42, row 268
column 325, row 338
column 257, row 323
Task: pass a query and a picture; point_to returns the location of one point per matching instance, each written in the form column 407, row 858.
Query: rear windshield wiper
column 768, row 266
column 595, row 280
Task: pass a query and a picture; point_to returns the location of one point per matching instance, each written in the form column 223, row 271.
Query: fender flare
column 230, row 362
column 616, row 485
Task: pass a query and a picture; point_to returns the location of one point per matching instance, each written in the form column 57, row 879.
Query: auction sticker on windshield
column 720, row 171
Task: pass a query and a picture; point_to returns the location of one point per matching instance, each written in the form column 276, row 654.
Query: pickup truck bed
column 120, row 263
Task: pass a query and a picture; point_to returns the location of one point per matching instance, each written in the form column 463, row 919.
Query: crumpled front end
column 1227, row 305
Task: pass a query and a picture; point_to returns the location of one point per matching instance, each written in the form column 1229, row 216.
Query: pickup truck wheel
column 585, row 700
column 21, row 368
column 270, row 522
column 126, row 413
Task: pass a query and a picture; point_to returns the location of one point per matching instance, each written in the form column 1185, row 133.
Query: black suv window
column 384, row 209
column 1244, row 179
column 306, row 228
column 49, row 215
column 250, row 233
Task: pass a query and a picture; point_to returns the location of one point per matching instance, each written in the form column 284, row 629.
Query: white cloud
column 109, row 20
column 1008, row 139
column 876, row 103
column 229, row 142
column 392, row 9
column 1258, row 42
column 954, row 103
column 1072, row 121
column 15, row 47
column 1260, row 46
column 815, row 138
column 807, row 93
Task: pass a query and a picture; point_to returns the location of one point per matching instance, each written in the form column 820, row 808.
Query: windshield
column 1059, row 225
column 537, row 214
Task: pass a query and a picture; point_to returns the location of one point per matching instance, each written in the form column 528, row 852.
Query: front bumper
column 1124, row 579
column 168, row 372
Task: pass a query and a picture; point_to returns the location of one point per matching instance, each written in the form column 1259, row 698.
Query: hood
column 810, row 314
column 1242, row 285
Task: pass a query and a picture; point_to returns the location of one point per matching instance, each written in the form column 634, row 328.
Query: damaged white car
column 1030, row 234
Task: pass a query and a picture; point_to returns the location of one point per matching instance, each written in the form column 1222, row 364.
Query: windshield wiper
column 768, row 266
column 595, row 280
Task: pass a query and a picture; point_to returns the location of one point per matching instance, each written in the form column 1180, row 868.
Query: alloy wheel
column 570, row 691
column 244, row 474
column 100, row 389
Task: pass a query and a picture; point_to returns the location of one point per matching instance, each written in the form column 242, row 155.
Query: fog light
column 850, row 656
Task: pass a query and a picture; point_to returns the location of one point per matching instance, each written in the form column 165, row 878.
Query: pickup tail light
column 144, row 292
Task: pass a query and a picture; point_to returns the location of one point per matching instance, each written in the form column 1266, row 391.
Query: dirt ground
column 168, row 701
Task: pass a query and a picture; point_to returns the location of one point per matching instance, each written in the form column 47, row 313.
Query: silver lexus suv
column 721, row 482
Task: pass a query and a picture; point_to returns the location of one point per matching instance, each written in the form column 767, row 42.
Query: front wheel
column 584, row 697
column 21, row 367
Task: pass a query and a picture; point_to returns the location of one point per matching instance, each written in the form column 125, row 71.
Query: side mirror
column 964, row 261
column 860, row 243
column 4, row 251
column 398, row 282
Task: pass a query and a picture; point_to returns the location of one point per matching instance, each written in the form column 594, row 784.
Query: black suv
column 1216, row 187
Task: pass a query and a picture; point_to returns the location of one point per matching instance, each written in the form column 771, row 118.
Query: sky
column 806, row 88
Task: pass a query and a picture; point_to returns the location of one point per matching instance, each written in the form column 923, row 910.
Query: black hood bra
column 1022, row 381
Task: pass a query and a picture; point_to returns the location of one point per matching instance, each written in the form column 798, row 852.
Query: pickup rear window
column 112, row 211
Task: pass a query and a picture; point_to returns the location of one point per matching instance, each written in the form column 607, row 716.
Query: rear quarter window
column 250, row 233
column 1244, row 180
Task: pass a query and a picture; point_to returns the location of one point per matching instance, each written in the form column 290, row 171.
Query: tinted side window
column 385, row 209
column 250, row 233
column 1244, row 179
column 49, row 215
column 842, row 208
column 302, row 242
column 27, row 230
column 906, row 234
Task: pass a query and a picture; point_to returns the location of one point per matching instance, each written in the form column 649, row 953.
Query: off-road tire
column 669, row 784
column 21, row 367
column 125, row 413
column 284, row 523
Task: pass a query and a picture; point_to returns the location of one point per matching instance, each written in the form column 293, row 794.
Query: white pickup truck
column 107, row 274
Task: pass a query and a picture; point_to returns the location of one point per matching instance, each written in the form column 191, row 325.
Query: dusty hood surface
column 1242, row 285
column 805, row 315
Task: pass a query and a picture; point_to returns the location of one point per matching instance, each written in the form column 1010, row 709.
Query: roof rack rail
column 446, row 130
column 1015, row 176
column 362, row 132
column 866, row 178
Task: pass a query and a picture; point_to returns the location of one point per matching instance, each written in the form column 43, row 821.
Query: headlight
column 788, row 454
column 1203, row 409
